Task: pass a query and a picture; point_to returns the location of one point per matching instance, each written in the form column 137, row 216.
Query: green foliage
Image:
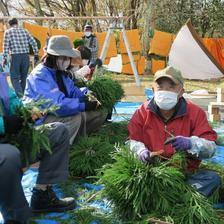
column 78, row 42
column 195, row 209
column 86, row 215
column 206, row 16
column 107, row 90
column 136, row 189
column 114, row 132
column 38, row 46
column 31, row 140
column 89, row 154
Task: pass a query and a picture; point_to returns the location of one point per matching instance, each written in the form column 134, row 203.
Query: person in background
column 53, row 167
column 87, row 68
column 168, row 124
column 16, row 44
column 90, row 41
column 50, row 80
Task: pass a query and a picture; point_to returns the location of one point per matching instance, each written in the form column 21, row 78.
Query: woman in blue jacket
column 53, row 167
column 50, row 81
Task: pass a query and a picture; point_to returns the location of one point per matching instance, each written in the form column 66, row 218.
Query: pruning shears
column 170, row 139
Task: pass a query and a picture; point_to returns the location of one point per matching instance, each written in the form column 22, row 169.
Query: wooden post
column 105, row 45
column 133, row 66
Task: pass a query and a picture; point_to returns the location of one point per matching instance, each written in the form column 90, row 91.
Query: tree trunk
column 39, row 11
column 4, row 8
column 93, row 3
column 148, row 25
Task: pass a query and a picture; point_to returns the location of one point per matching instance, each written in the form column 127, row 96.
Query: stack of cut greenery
column 92, row 152
column 78, row 42
column 138, row 191
column 30, row 140
column 88, row 154
column 107, row 90
column 114, row 132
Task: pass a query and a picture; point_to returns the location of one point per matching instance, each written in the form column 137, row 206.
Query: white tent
column 191, row 57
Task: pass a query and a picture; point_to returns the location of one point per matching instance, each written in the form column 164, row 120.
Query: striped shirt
column 17, row 41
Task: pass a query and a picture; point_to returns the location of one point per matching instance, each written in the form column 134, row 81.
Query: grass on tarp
column 88, row 154
column 92, row 152
column 136, row 189
column 107, row 90
column 114, row 132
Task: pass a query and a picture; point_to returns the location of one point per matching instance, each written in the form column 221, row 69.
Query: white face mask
column 166, row 100
column 87, row 33
column 85, row 62
column 63, row 64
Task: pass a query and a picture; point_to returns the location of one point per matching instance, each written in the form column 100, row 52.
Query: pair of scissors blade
column 169, row 133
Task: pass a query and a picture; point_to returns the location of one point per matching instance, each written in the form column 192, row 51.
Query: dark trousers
column 19, row 67
column 53, row 169
column 206, row 182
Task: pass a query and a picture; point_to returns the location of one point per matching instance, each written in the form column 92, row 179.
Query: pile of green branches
column 107, row 90
column 114, row 132
column 78, row 42
column 137, row 190
column 30, row 140
column 88, row 154
column 87, row 215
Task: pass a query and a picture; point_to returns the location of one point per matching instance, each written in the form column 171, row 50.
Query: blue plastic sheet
column 123, row 110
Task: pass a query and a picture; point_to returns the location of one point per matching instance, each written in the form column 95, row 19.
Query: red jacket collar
column 180, row 108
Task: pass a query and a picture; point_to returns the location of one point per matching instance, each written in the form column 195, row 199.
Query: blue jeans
column 19, row 68
column 205, row 182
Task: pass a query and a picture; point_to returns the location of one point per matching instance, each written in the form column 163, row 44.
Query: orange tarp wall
column 162, row 41
column 135, row 47
column 216, row 48
column 112, row 49
column 40, row 33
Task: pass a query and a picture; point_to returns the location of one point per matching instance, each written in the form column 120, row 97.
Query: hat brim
column 167, row 76
column 72, row 53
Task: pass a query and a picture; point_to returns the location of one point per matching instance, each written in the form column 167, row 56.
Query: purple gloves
column 180, row 143
column 144, row 156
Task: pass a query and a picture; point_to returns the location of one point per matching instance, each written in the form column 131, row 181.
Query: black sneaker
column 47, row 201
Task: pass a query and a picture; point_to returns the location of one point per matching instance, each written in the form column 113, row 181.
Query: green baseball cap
column 171, row 73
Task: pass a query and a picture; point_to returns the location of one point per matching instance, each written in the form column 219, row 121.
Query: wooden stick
column 91, row 197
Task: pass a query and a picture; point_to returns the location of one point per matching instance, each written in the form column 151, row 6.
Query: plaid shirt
column 92, row 44
column 17, row 41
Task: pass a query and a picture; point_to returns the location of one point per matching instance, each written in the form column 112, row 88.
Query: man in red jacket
column 169, row 123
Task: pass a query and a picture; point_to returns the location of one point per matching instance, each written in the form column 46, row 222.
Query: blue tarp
column 124, row 110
